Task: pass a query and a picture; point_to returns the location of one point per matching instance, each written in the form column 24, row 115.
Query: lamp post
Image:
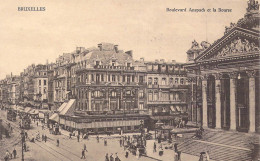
column 23, row 140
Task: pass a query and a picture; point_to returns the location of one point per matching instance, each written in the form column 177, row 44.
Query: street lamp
column 23, row 140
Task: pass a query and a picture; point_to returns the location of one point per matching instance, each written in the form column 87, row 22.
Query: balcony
column 107, row 113
column 166, row 102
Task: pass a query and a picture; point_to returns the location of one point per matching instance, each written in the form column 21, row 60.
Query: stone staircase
column 222, row 145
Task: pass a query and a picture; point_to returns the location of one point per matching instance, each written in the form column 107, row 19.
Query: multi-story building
column 60, row 79
column 50, row 74
column 110, row 87
column 167, row 90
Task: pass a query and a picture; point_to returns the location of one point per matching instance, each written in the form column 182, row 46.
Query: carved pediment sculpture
column 238, row 46
column 252, row 5
column 195, row 45
column 205, row 44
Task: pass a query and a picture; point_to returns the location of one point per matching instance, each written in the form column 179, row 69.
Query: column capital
column 204, row 77
column 233, row 75
column 218, row 76
column 251, row 73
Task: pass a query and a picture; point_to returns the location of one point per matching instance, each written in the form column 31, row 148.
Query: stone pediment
column 238, row 41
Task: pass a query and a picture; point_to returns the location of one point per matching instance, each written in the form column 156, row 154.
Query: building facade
column 225, row 77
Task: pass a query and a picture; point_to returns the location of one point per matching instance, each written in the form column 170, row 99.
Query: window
column 113, row 93
column 150, row 80
column 44, row 73
column 102, row 77
column 156, row 96
column 97, row 62
column 182, row 81
column 141, row 94
column 45, row 82
column 176, row 80
column 133, row 78
column 128, row 78
column 141, row 79
column 155, row 81
column 123, row 78
column 44, row 90
column 150, row 96
column 92, row 77
column 108, row 77
column 40, row 82
column 128, row 64
column 113, row 78
column 163, row 81
column 171, row 81
column 141, row 106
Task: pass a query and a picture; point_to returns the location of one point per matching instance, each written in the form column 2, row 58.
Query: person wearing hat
column 201, row 156
column 106, row 158
column 111, row 157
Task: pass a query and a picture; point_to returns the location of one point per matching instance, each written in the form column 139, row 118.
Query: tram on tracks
column 11, row 115
column 25, row 122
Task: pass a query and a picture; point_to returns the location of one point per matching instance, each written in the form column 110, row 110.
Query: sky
column 143, row 26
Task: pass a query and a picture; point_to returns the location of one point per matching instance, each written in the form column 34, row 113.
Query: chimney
column 156, row 60
column 142, row 59
column 130, row 53
column 116, row 48
column 100, row 47
column 162, row 60
column 173, row 61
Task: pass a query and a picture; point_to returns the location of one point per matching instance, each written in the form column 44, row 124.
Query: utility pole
column 23, row 140
column 1, row 129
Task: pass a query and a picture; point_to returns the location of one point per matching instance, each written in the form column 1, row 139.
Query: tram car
column 11, row 115
column 25, row 122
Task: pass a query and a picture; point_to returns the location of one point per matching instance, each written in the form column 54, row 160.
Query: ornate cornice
column 251, row 73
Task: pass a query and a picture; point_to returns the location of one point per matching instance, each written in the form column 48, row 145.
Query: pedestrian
column 84, row 146
column 176, row 147
column 37, row 123
column 117, row 158
column 83, row 154
column 126, row 153
column 201, row 156
column 105, row 142
column 78, row 137
column 111, row 157
column 176, row 156
column 207, row 156
column 137, row 153
column 154, row 147
column 7, row 154
column 42, row 126
column 45, row 138
column 106, row 157
column 70, row 135
column 120, row 142
column 58, row 142
column 14, row 152
column 97, row 138
column 24, row 147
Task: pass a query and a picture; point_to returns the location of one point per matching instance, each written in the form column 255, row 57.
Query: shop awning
column 54, row 117
column 62, row 107
column 69, row 108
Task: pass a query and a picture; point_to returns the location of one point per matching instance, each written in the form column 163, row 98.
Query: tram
column 25, row 122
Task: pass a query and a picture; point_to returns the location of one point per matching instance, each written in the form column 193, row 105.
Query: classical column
column 218, row 100
column 204, row 102
column 89, row 100
column 233, row 104
column 251, row 75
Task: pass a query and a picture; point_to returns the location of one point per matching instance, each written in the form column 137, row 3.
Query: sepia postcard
column 129, row 80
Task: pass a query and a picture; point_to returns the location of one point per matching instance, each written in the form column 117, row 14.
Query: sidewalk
column 168, row 154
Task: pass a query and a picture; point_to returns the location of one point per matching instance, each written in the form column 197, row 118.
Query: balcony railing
column 166, row 102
